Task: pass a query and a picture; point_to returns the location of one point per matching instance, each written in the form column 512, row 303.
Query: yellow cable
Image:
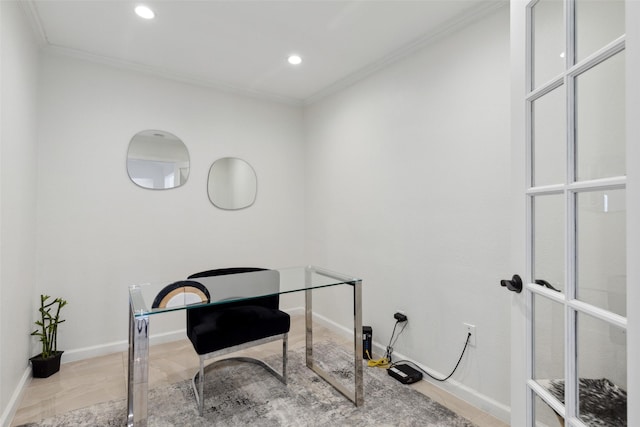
column 383, row 362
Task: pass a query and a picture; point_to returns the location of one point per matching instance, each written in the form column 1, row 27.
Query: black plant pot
column 43, row 368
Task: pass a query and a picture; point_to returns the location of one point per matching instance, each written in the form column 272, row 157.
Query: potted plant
column 47, row 362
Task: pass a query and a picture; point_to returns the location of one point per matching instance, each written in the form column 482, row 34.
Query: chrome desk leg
column 357, row 395
column 308, row 319
column 357, row 336
column 138, row 370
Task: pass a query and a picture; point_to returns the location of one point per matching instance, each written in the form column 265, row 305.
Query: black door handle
column 546, row 284
column 515, row 284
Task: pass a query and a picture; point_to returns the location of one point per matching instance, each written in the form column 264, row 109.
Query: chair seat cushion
column 231, row 326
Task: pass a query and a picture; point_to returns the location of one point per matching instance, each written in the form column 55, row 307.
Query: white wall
column 407, row 187
column 18, row 123
column 99, row 232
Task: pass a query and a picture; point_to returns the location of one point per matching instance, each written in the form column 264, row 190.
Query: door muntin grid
column 590, row 173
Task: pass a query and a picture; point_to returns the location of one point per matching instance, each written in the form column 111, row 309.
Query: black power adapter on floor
column 404, row 373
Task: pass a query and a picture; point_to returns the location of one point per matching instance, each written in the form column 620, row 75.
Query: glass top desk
column 235, row 287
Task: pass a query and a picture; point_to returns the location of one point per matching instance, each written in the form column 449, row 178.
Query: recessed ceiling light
column 144, row 12
column 294, row 59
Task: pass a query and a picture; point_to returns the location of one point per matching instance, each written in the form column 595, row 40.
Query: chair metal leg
column 285, row 357
column 201, row 387
column 198, row 388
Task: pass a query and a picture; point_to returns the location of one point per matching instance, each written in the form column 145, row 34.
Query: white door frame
column 633, row 209
column 519, row 210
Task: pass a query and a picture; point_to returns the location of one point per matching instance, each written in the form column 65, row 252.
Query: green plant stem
column 48, row 325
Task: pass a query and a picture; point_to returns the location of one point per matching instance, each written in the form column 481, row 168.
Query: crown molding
column 31, row 12
column 451, row 26
column 170, row 75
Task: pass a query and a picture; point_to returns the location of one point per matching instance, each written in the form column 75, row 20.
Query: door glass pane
column 600, row 120
column 601, row 249
column 598, row 23
column 548, row 239
column 602, row 372
column 548, row 139
column 548, row 40
column 548, row 352
column 544, row 415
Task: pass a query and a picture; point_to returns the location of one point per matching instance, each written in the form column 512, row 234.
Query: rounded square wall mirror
column 232, row 184
column 157, row 160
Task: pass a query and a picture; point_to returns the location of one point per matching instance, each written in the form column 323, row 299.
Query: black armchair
column 224, row 328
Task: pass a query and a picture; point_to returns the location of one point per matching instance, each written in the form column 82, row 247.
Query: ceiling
column 243, row 45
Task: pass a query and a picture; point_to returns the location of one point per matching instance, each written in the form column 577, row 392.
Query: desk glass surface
column 227, row 288
column 236, row 287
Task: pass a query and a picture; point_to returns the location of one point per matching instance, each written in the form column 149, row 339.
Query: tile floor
column 101, row 379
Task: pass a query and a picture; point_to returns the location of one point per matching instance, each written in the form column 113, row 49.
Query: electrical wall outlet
column 471, row 329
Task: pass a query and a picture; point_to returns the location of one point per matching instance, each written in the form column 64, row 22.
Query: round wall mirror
column 232, row 184
column 157, row 160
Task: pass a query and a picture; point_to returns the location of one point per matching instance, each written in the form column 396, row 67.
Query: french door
column 571, row 354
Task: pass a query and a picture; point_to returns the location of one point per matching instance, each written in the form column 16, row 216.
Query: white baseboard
column 118, row 346
column 16, row 398
column 459, row 390
column 333, row 326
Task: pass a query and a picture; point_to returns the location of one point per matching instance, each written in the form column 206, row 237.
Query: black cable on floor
column 427, row 373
